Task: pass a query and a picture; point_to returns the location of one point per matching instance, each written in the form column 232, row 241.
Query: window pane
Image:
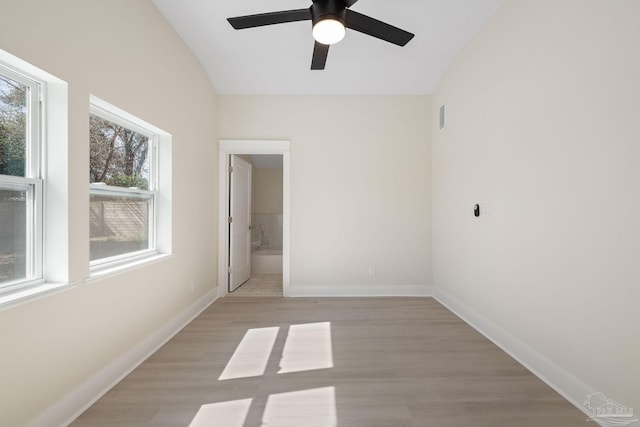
column 119, row 224
column 119, row 156
column 13, row 235
column 13, row 126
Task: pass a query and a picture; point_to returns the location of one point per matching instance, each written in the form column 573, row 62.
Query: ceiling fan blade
column 320, row 52
column 261, row 19
column 373, row 27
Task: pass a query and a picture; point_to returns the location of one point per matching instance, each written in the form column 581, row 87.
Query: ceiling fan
column 329, row 19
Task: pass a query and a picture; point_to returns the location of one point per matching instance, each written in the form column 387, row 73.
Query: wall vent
column 441, row 118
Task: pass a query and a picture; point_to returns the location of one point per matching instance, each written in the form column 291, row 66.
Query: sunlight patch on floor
column 252, row 354
column 308, row 347
column 308, row 408
column 227, row 414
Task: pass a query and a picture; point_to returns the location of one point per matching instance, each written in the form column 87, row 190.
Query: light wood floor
column 387, row 362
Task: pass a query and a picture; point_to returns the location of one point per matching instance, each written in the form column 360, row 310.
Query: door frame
column 227, row 148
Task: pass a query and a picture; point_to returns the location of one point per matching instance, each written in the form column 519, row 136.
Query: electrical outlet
column 372, row 270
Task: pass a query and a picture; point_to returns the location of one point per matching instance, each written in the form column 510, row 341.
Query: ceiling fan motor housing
column 328, row 9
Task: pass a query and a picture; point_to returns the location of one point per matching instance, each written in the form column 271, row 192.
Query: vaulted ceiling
column 276, row 59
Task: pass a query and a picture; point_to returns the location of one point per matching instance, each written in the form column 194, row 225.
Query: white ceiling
column 276, row 59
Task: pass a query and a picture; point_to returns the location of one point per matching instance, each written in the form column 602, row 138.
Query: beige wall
column 266, row 192
column 542, row 124
column 266, row 188
column 360, row 183
column 124, row 52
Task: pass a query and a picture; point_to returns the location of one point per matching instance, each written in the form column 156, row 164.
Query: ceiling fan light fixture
column 328, row 31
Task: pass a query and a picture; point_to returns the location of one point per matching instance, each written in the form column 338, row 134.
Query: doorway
column 230, row 149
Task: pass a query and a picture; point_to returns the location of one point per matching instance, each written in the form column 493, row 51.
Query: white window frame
column 32, row 182
column 160, row 211
column 48, row 174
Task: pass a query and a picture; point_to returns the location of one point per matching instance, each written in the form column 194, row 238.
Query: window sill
column 113, row 270
column 12, row 298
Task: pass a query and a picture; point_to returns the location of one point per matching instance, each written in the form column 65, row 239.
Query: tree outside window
column 13, row 127
column 119, row 156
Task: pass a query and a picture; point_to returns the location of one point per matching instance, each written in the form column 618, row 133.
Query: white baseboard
column 567, row 385
column 359, row 291
column 75, row 403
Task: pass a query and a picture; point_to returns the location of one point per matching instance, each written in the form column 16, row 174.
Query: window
column 123, row 172
column 21, row 183
column 34, row 197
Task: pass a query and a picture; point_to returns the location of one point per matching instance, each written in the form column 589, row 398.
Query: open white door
column 239, row 222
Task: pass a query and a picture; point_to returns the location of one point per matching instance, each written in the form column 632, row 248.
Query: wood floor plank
column 393, row 362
